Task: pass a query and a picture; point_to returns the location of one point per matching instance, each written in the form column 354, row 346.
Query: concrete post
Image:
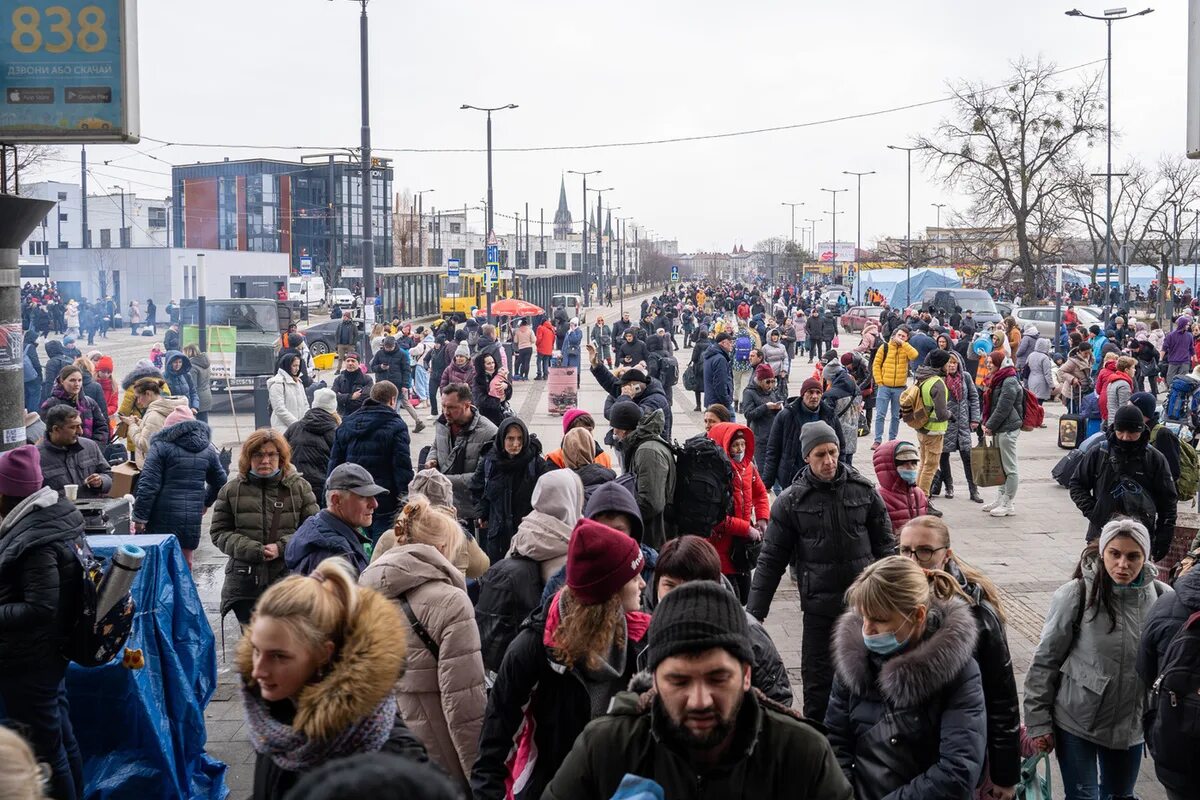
column 18, row 217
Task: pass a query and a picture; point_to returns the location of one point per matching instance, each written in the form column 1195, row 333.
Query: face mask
column 739, row 457
column 909, row 476
column 883, row 644
column 274, row 474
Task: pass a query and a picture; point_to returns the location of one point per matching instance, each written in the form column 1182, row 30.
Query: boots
column 949, row 489
column 935, row 488
column 974, row 490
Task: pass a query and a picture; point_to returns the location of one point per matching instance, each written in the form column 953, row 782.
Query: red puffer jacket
column 749, row 493
column 903, row 501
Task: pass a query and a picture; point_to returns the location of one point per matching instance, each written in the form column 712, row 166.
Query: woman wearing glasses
column 926, row 540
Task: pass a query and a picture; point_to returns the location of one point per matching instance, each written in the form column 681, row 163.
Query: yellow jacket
column 891, row 364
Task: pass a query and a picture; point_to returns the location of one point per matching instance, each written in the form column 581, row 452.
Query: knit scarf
column 291, row 750
column 955, row 384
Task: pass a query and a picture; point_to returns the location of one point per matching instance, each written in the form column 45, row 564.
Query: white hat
column 325, row 399
column 1126, row 527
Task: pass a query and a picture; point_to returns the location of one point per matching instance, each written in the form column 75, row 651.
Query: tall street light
column 1110, row 15
column 833, row 214
column 491, row 231
column 812, row 242
column 583, row 240
column 599, row 232
column 121, row 189
column 908, row 227
column 858, row 231
column 939, row 207
column 793, row 206
column 421, row 226
column 606, row 275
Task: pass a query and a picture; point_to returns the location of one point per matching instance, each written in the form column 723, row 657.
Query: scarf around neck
column 291, row 750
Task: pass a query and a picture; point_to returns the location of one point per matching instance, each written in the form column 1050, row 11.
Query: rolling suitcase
column 1072, row 429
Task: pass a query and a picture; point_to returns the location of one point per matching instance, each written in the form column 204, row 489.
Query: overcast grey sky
column 285, row 72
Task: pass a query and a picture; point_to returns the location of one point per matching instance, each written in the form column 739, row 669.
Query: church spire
column 562, row 217
column 608, row 224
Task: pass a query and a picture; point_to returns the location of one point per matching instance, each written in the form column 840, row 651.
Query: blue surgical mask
column 909, row 476
column 739, row 457
column 883, row 644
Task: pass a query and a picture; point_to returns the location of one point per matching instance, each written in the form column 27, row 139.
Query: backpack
column 691, row 381
column 668, row 371
column 912, row 407
column 94, row 642
column 1034, row 414
column 508, row 592
column 742, row 346
column 1189, row 467
column 1172, row 718
column 703, row 477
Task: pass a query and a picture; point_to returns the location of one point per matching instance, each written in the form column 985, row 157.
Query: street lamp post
column 834, row 193
column 583, row 239
column 121, row 189
column 599, row 234
column 491, row 205
column 421, row 226
column 938, row 228
column 858, row 231
column 793, row 207
column 908, row 226
column 1110, row 15
column 606, row 274
column 812, row 242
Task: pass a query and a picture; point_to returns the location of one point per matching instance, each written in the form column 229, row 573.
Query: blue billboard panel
column 68, row 71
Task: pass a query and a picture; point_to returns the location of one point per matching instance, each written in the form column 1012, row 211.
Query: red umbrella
column 512, row 307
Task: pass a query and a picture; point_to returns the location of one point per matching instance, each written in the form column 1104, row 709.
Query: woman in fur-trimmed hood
column 319, row 661
column 907, row 712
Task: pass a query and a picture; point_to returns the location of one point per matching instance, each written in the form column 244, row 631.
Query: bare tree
column 403, row 230
column 1009, row 150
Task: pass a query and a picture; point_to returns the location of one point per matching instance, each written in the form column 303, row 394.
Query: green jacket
column 774, row 754
column 647, row 455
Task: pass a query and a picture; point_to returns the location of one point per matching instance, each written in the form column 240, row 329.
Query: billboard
column 68, row 71
column 845, row 251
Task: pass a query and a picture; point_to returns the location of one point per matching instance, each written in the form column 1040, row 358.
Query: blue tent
column 922, row 279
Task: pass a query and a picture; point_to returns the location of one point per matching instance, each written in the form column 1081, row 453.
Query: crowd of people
column 486, row 619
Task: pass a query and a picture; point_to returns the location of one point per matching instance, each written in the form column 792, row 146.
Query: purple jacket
column 1178, row 346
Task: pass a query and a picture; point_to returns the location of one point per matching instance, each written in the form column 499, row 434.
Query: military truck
column 259, row 323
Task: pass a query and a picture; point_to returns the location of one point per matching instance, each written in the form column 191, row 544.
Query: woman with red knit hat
column 569, row 660
column 578, row 418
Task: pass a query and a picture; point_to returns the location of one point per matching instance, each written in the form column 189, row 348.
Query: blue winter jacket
column 323, row 536
column 180, row 479
column 376, row 438
column 718, row 377
column 180, row 381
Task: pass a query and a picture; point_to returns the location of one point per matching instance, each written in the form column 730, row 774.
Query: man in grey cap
column 834, row 523
column 337, row 530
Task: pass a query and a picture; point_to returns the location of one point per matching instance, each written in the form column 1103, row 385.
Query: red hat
column 574, row 414
column 763, row 372
column 847, row 359
column 104, row 363
column 811, row 383
column 600, row 560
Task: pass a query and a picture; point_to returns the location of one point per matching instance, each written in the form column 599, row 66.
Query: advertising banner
column 68, row 71
column 222, row 349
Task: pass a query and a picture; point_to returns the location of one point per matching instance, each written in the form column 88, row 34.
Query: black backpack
column 1172, row 719
column 703, row 481
column 508, row 592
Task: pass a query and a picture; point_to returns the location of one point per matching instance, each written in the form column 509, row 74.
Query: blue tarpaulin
column 893, row 282
column 142, row 731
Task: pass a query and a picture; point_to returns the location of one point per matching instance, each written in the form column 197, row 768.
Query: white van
column 310, row 290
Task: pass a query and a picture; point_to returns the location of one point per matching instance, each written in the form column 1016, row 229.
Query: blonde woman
column 318, row 662
column 22, row 777
column 907, row 715
column 441, row 694
column 926, row 540
column 565, row 666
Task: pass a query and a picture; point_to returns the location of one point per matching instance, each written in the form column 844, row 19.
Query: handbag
column 986, row 467
column 1034, row 784
column 744, row 553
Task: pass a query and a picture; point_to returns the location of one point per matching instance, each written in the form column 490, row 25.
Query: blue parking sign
column 493, row 254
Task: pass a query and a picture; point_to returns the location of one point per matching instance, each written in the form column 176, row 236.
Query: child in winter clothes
column 896, row 471
column 750, row 506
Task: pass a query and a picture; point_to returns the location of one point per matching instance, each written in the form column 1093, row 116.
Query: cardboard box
column 124, row 479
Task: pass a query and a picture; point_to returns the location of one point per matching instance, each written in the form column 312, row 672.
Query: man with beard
column 699, row 723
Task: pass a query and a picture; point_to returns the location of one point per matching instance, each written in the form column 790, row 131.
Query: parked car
column 829, row 297
column 856, row 318
column 945, row 300
column 322, row 337
column 1004, row 310
column 341, row 297
column 1046, row 320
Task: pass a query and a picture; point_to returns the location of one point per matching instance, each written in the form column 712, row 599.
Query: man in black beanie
column 701, row 722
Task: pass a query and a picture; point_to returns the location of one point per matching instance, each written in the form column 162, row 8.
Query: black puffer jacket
column 784, row 461
column 56, row 358
column 911, row 724
column 833, row 529
column 760, row 418
column 311, row 439
column 999, row 686
column 39, row 579
column 503, row 487
column 376, row 438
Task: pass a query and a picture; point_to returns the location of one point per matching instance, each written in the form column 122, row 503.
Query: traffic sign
column 306, row 265
column 493, row 254
column 674, row 273
column 453, row 268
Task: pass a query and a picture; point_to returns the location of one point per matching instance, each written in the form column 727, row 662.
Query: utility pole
column 121, row 237
column 939, row 207
column 368, row 232
column 491, row 204
column 812, row 242
column 858, row 232
column 834, row 192
column 583, row 234
column 908, row 230
column 83, row 190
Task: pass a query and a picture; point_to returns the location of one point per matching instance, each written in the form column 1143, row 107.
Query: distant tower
column 608, row 224
column 562, row 217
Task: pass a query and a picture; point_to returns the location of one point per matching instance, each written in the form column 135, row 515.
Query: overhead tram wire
column 617, row 145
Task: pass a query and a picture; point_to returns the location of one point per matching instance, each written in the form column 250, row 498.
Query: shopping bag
column 1034, row 784
column 986, row 467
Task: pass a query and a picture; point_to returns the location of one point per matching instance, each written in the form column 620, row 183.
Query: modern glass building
column 308, row 208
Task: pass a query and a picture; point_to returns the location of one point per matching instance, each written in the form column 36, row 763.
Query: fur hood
column 363, row 671
column 912, row 676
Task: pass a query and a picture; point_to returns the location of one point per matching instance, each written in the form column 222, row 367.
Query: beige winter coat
column 142, row 429
column 442, row 700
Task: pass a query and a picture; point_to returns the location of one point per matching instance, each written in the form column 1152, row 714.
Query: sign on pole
column 306, row 265
column 69, row 71
column 674, row 273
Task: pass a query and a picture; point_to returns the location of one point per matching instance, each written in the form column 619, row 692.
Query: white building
column 114, row 220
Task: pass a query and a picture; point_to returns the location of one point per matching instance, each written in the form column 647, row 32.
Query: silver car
column 1044, row 317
